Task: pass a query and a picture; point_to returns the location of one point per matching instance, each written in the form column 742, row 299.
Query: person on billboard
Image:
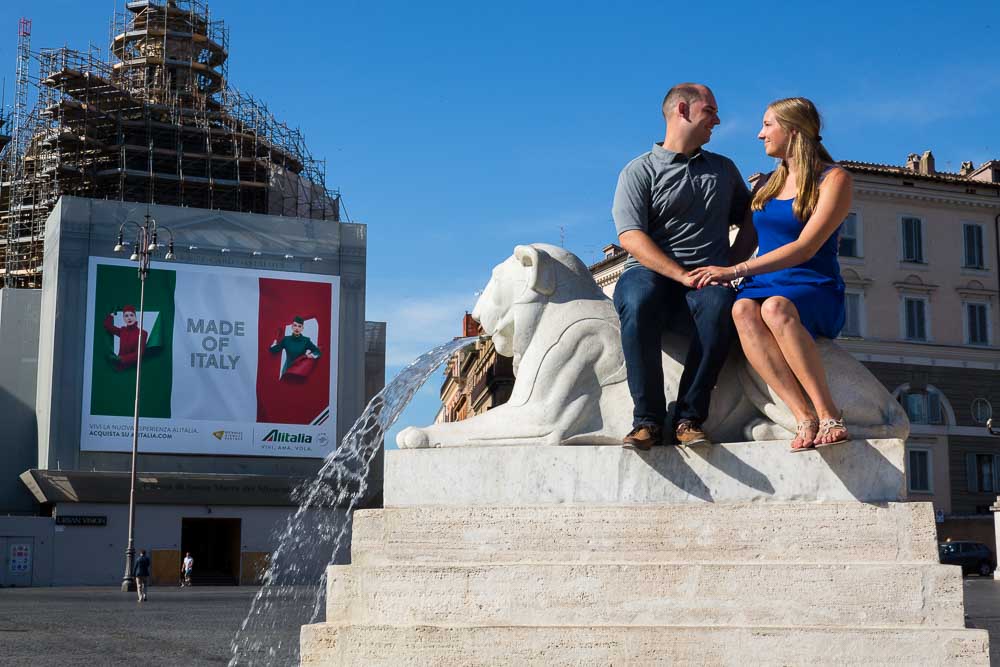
column 128, row 338
column 300, row 352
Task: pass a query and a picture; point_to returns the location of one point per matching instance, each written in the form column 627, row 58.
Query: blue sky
column 456, row 130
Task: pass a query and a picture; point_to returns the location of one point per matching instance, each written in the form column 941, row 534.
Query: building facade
column 476, row 378
column 213, row 487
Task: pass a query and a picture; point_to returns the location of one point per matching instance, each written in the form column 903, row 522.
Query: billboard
column 235, row 361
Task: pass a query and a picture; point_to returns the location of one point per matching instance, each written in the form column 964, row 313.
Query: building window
column 913, row 240
column 918, row 469
column 923, row 407
column 850, row 239
column 914, row 318
column 977, row 324
column 973, row 258
column 853, row 306
column 980, row 470
column 982, row 410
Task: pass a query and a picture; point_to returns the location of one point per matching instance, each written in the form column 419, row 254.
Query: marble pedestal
column 730, row 554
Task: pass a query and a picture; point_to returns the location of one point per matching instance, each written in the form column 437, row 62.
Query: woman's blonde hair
column 799, row 117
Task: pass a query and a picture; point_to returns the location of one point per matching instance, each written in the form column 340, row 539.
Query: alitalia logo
column 274, row 435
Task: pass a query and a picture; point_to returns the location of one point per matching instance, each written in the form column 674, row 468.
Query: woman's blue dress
column 815, row 286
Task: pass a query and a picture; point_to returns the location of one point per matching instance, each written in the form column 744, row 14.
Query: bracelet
column 746, row 269
column 736, row 273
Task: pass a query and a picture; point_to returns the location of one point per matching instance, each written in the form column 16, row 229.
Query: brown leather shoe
column 643, row 437
column 689, row 433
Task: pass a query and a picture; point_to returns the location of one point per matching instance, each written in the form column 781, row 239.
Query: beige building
column 476, row 378
column 919, row 255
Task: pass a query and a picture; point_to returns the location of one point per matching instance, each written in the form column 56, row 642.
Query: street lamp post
column 144, row 247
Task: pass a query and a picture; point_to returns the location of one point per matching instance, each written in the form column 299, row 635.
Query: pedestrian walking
column 141, row 573
column 187, row 568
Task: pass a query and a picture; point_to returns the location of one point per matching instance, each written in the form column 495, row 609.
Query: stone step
column 331, row 645
column 865, row 470
column 776, row 532
column 876, row 594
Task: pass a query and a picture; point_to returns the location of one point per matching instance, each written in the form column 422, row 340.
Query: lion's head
column 513, row 300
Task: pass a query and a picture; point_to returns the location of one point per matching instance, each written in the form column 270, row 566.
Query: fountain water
column 294, row 590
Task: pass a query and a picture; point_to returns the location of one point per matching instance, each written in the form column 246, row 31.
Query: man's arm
column 277, row 345
column 311, row 347
column 631, row 215
column 646, row 252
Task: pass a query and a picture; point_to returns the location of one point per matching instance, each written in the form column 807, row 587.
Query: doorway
column 214, row 544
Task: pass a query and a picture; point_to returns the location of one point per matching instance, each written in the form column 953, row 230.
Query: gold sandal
column 828, row 425
column 800, row 431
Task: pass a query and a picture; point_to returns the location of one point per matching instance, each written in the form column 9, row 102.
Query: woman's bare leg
column 800, row 352
column 762, row 351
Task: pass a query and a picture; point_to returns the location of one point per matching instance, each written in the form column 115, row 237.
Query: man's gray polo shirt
column 686, row 205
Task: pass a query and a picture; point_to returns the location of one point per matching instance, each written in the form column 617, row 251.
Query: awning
column 160, row 488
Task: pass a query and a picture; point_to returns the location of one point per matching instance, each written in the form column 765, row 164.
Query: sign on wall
column 81, row 520
column 20, row 558
column 235, row 361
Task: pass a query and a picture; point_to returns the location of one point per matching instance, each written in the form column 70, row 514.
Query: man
column 141, row 573
column 187, row 568
column 673, row 209
column 295, row 345
column 128, row 338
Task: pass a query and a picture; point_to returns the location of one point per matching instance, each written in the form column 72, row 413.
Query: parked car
column 974, row 557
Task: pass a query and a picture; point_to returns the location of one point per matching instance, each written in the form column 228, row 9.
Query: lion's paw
column 764, row 429
column 412, row 438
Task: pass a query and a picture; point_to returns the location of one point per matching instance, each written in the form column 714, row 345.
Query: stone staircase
column 608, row 582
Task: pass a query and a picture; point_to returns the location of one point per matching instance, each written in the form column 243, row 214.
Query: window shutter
column 934, row 413
column 970, row 472
column 970, row 259
column 973, row 245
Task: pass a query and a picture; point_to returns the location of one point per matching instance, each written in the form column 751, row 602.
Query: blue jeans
column 647, row 305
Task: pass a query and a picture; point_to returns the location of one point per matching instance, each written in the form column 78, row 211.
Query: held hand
column 712, row 275
column 689, row 280
column 309, row 353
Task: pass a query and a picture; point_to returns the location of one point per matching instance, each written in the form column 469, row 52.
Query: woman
column 792, row 291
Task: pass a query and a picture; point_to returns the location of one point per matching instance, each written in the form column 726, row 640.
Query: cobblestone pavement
column 193, row 626
column 102, row 626
column 982, row 610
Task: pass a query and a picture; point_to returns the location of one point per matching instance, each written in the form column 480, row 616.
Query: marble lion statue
column 543, row 308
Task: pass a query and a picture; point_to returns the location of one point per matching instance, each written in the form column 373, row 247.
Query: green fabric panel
column 113, row 390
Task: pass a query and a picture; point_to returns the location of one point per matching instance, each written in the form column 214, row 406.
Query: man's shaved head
column 684, row 92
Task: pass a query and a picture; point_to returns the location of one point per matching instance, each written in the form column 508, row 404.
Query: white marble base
column 863, row 470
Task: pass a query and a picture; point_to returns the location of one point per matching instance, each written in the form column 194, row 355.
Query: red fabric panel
column 294, row 398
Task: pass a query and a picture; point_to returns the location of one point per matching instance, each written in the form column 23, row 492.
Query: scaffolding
column 154, row 122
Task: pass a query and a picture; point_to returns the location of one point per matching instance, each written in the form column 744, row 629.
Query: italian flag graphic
column 224, row 346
